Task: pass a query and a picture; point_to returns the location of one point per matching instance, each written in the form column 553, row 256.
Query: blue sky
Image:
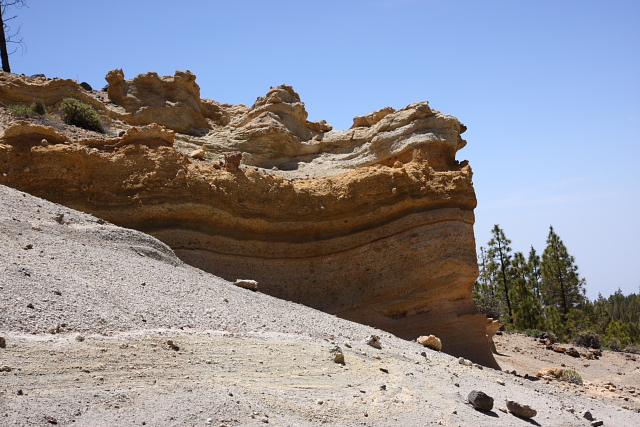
column 549, row 90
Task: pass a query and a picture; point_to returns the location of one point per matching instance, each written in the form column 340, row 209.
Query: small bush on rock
column 571, row 376
column 80, row 114
column 20, row 110
column 39, row 108
column 588, row 339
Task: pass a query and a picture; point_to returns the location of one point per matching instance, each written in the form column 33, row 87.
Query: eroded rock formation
column 381, row 233
column 492, row 327
column 173, row 101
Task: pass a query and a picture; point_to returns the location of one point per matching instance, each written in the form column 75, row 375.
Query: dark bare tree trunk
column 5, row 31
column 3, row 47
column 503, row 268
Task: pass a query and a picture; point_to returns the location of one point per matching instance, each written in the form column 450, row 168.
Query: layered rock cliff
column 373, row 224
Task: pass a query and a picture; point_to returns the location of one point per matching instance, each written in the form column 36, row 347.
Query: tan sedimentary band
column 299, row 246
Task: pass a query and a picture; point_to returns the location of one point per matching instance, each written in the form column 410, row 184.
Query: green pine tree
column 485, row 292
column 535, row 276
column 500, row 253
column 526, row 305
column 562, row 286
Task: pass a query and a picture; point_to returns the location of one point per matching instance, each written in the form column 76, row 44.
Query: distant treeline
column 547, row 294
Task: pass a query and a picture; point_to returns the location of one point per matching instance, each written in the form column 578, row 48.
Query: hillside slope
column 88, row 308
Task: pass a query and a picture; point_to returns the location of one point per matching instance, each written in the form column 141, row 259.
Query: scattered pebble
column 51, row 420
column 247, row 284
column 465, row 362
column 374, row 341
column 337, row 355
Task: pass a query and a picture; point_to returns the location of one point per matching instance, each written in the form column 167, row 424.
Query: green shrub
column 80, row 114
column 571, row 376
column 614, row 344
column 632, row 348
column 588, row 339
column 39, row 108
column 534, row 333
column 20, row 110
column 489, row 305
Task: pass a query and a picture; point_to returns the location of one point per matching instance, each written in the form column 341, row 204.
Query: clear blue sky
column 549, row 90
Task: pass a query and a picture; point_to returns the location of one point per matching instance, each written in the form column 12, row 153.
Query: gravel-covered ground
column 87, row 309
column 613, row 377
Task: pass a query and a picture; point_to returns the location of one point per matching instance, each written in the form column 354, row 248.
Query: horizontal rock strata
column 383, row 235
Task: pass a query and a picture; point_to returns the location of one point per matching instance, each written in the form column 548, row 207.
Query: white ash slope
column 244, row 358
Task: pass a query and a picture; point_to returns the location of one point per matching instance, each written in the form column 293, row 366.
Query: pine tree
column 526, row 305
column 485, row 291
column 500, row 253
column 562, row 286
column 534, row 276
column 601, row 316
